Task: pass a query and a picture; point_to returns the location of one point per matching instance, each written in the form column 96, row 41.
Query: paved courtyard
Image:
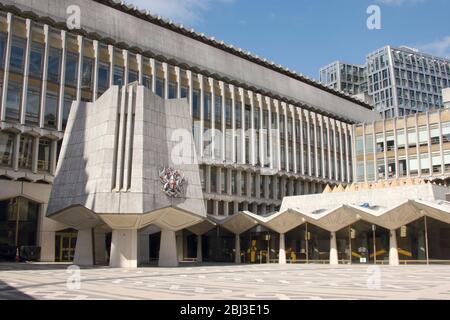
column 254, row 282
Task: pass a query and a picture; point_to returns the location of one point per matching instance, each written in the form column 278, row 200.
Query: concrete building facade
column 411, row 146
column 262, row 132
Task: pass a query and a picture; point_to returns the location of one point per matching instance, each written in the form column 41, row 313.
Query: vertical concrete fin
column 121, row 139
column 129, row 137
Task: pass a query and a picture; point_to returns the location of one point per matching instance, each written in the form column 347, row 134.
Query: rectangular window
column 17, row 55
column 68, row 100
column 103, row 77
column 213, row 180
column 437, row 162
column 228, row 115
column 401, row 139
column 71, row 69
column 54, row 65
column 26, row 152
column 359, row 145
column 133, row 76
column 147, row 82
column 238, row 115
column 425, row 163
column 369, row 143
column 44, row 155
column 218, row 110
column 184, row 92
column 33, row 105
column 172, row 90
column 196, row 104
column 446, row 132
column 13, row 101
column 88, row 67
column 207, row 107
column 390, row 141
column 434, row 134
column 423, row 136
column 51, row 107
column 36, row 59
column 380, row 142
column 412, row 138
column 2, row 50
column 160, row 87
column 118, row 76
column 360, row 176
column 6, row 148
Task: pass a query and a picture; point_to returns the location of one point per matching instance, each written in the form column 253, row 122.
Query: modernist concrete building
column 261, row 131
column 400, row 80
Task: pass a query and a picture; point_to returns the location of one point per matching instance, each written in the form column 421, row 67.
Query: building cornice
column 200, row 37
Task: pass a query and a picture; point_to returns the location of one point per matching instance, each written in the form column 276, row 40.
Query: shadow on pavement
column 10, row 293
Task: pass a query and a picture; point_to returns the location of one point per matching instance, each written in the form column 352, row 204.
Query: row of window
column 428, row 166
column 26, row 145
column 245, row 184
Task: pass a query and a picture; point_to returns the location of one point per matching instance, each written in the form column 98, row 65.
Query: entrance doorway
column 65, row 243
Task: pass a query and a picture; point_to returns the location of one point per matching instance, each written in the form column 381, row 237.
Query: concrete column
column 393, row 250
column 140, row 63
column 45, row 75
column 168, row 250
column 191, row 89
column 84, row 250
column 34, row 164
column 96, row 63
column 153, row 66
column 199, row 249
column 233, row 123
column 47, row 244
column 282, row 251
column 126, row 62
column 111, row 65
column 237, row 257
column 124, row 249
column 100, row 247
column 302, row 143
column 334, row 260
column 80, row 69
column 178, row 79
column 62, row 82
column 26, row 70
column 166, row 80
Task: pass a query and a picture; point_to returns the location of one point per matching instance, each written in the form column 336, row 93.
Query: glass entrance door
column 65, row 244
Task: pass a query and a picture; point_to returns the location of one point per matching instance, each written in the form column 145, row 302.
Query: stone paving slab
column 229, row 282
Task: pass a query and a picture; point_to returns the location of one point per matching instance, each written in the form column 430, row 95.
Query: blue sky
column 304, row 35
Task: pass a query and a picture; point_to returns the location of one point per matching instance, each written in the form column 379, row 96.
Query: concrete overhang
column 203, row 227
column 392, row 218
column 434, row 210
column 77, row 217
column 241, row 222
column 283, row 222
column 169, row 218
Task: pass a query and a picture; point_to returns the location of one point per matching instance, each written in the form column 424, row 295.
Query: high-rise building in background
column 400, row 81
column 350, row 78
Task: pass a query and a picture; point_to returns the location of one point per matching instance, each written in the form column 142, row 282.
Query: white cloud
column 399, row 2
column 182, row 11
column 440, row 48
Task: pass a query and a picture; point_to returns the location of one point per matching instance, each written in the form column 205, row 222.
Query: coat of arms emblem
column 173, row 182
